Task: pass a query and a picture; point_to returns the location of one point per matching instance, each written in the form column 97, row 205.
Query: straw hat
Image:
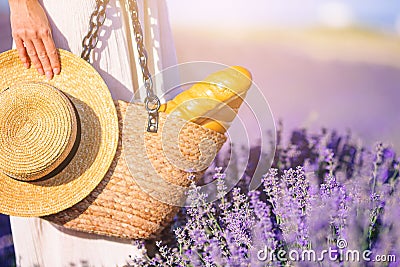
column 58, row 138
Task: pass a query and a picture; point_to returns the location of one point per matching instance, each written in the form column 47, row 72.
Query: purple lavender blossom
column 324, row 188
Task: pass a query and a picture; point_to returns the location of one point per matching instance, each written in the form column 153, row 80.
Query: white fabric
column 38, row 242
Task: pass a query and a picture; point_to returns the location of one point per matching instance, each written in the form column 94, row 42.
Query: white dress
column 36, row 241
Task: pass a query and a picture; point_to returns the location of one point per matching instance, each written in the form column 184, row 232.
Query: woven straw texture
column 140, row 205
column 37, row 130
column 97, row 115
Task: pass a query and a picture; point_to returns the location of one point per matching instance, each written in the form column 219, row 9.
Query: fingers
column 43, row 58
column 52, row 54
column 41, row 53
column 31, row 51
column 22, row 52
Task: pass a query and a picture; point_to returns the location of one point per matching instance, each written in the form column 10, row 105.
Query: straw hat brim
column 99, row 138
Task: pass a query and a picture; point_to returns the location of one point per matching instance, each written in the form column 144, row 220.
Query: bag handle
column 152, row 102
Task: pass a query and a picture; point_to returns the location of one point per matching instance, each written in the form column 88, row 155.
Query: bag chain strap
column 96, row 21
column 152, row 102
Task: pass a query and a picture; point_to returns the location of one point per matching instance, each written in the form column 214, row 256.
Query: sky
column 379, row 14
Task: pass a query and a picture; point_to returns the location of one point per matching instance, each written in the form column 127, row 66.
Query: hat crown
column 38, row 129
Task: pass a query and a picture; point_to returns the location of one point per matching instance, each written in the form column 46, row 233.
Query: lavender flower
column 324, row 188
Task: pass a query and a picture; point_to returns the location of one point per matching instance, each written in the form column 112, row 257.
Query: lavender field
column 337, row 78
column 325, row 202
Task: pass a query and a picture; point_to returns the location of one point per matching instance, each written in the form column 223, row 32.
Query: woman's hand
column 32, row 35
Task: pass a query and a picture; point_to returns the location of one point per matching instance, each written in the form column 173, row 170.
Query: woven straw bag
column 121, row 205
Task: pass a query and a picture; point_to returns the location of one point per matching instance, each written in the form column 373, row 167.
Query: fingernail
column 26, row 65
column 41, row 72
column 56, row 71
column 49, row 75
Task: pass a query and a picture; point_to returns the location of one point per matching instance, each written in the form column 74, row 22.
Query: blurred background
column 319, row 63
